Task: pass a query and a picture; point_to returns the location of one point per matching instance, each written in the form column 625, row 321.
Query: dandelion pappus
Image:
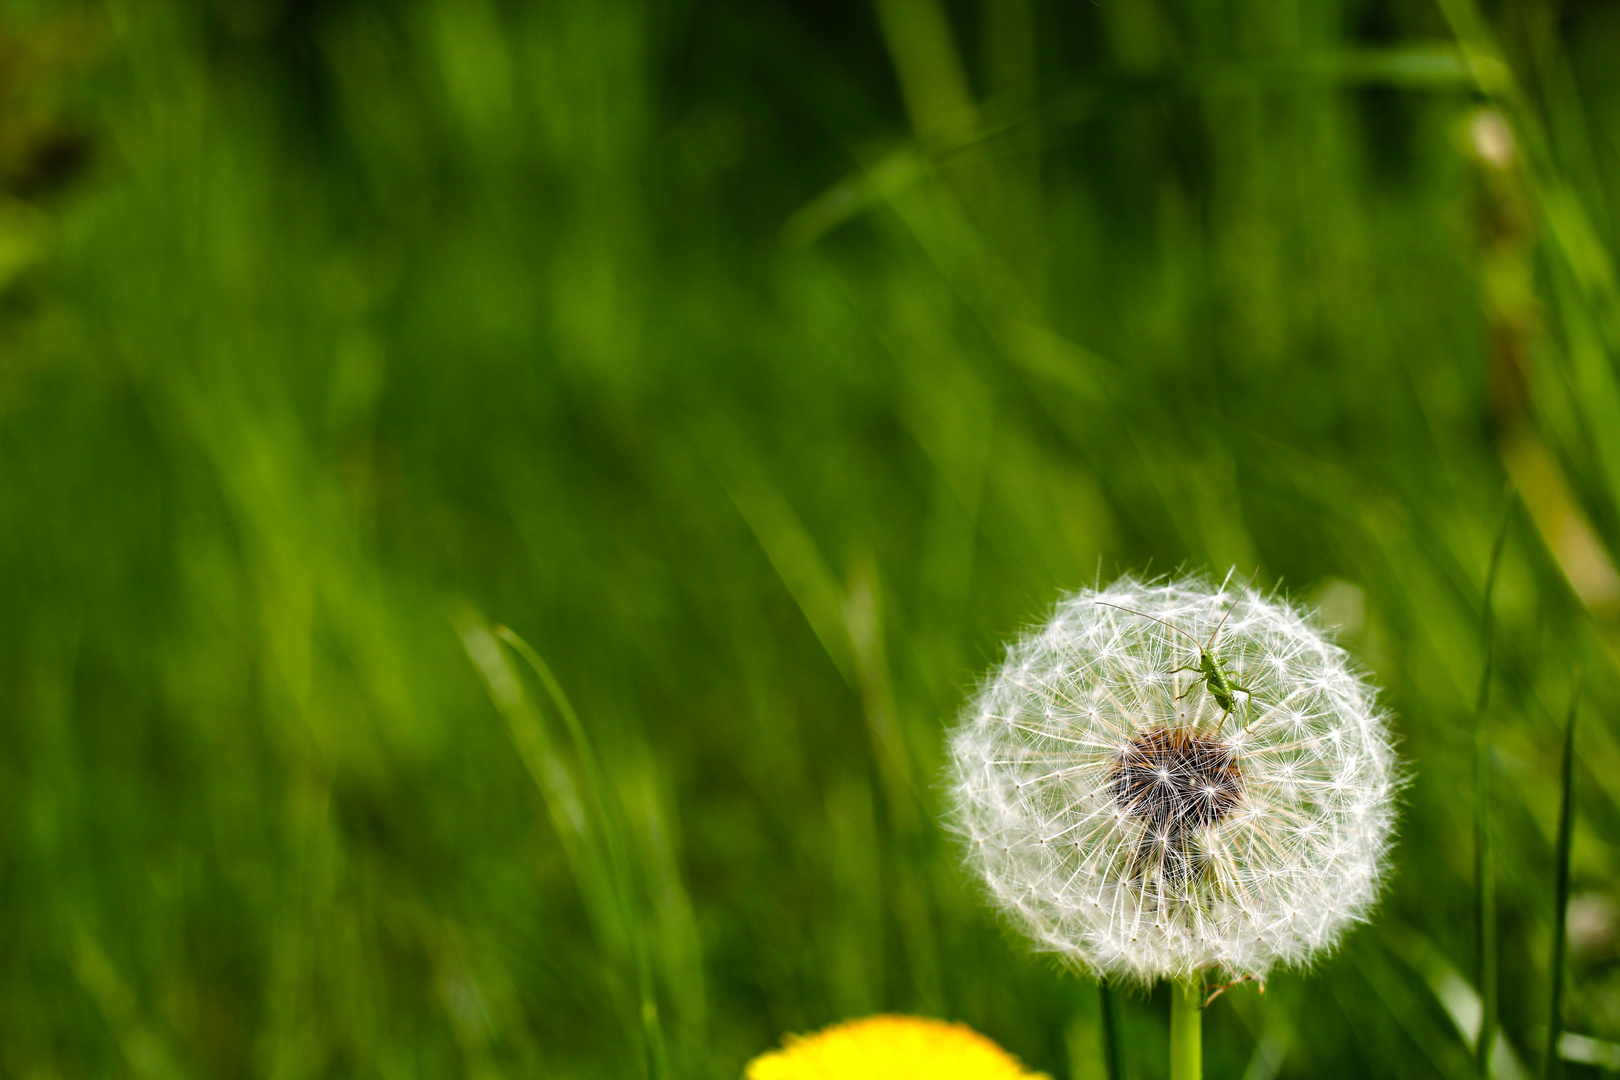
column 1220, row 682
column 1120, row 832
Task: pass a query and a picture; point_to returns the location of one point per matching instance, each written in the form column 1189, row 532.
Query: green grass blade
column 617, row 853
column 1484, row 868
column 1433, row 66
column 792, row 551
column 590, row 831
column 1550, row 1063
column 1389, row 978
column 932, row 79
column 546, row 768
column 1587, row 284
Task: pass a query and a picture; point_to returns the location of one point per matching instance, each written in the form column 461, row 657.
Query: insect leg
column 1248, row 699
column 1219, row 990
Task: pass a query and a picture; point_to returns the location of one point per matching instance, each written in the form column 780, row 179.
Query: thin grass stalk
column 1484, row 909
column 1484, row 867
column 1187, row 1030
column 1551, row 1066
column 617, row 851
column 1590, row 288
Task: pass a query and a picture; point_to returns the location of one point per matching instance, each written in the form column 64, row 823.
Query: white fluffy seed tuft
column 1127, row 822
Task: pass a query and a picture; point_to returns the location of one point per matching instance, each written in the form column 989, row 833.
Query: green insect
column 1211, row 672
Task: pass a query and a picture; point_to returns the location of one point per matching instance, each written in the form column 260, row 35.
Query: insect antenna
column 1145, row 615
column 1217, row 629
column 1247, row 588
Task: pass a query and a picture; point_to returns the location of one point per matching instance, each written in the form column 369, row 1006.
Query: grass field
column 764, row 367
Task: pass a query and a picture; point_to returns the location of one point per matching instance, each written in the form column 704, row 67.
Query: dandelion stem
column 1186, row 1030
column 1113, row 1047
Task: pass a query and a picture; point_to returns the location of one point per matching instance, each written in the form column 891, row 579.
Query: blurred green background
column 765, row 365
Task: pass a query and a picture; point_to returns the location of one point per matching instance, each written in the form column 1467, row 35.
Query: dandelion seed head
column 1128, row 823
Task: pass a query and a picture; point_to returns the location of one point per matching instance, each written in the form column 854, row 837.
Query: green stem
column 1484, row 861
column 1551, row 1067
column 1113, row 1046
column 1186, row 1031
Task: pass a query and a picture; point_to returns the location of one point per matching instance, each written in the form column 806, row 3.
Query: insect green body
column 1216, row 679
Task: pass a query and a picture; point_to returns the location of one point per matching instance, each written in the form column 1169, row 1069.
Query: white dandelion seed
column 1132, row 825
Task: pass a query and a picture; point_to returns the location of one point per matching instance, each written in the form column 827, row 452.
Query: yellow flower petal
column 890, row 1048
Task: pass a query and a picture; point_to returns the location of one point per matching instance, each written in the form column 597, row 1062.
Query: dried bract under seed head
column 1130, row 823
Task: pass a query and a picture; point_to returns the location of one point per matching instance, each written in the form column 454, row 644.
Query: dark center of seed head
column 1176, row 780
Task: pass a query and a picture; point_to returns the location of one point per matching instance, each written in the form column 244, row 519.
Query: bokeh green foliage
column 764, row 366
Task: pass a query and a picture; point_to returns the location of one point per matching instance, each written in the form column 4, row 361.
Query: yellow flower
column 890, row 1048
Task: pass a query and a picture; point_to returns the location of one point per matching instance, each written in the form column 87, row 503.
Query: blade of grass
column 146, row 1052
column 545, row 766
column 1585, row 1050
column 930, row 72
column 1389, row 989
column 1564, row 525
column 590, row 833
column 1550, row 1064
column 1484, row 876
column 792, row 551
column 863, row 618
column 1588, row 286
column 850, row 629
column 676, row 942
column 1459, row 999
column 1425, row 66
column 617, row 852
